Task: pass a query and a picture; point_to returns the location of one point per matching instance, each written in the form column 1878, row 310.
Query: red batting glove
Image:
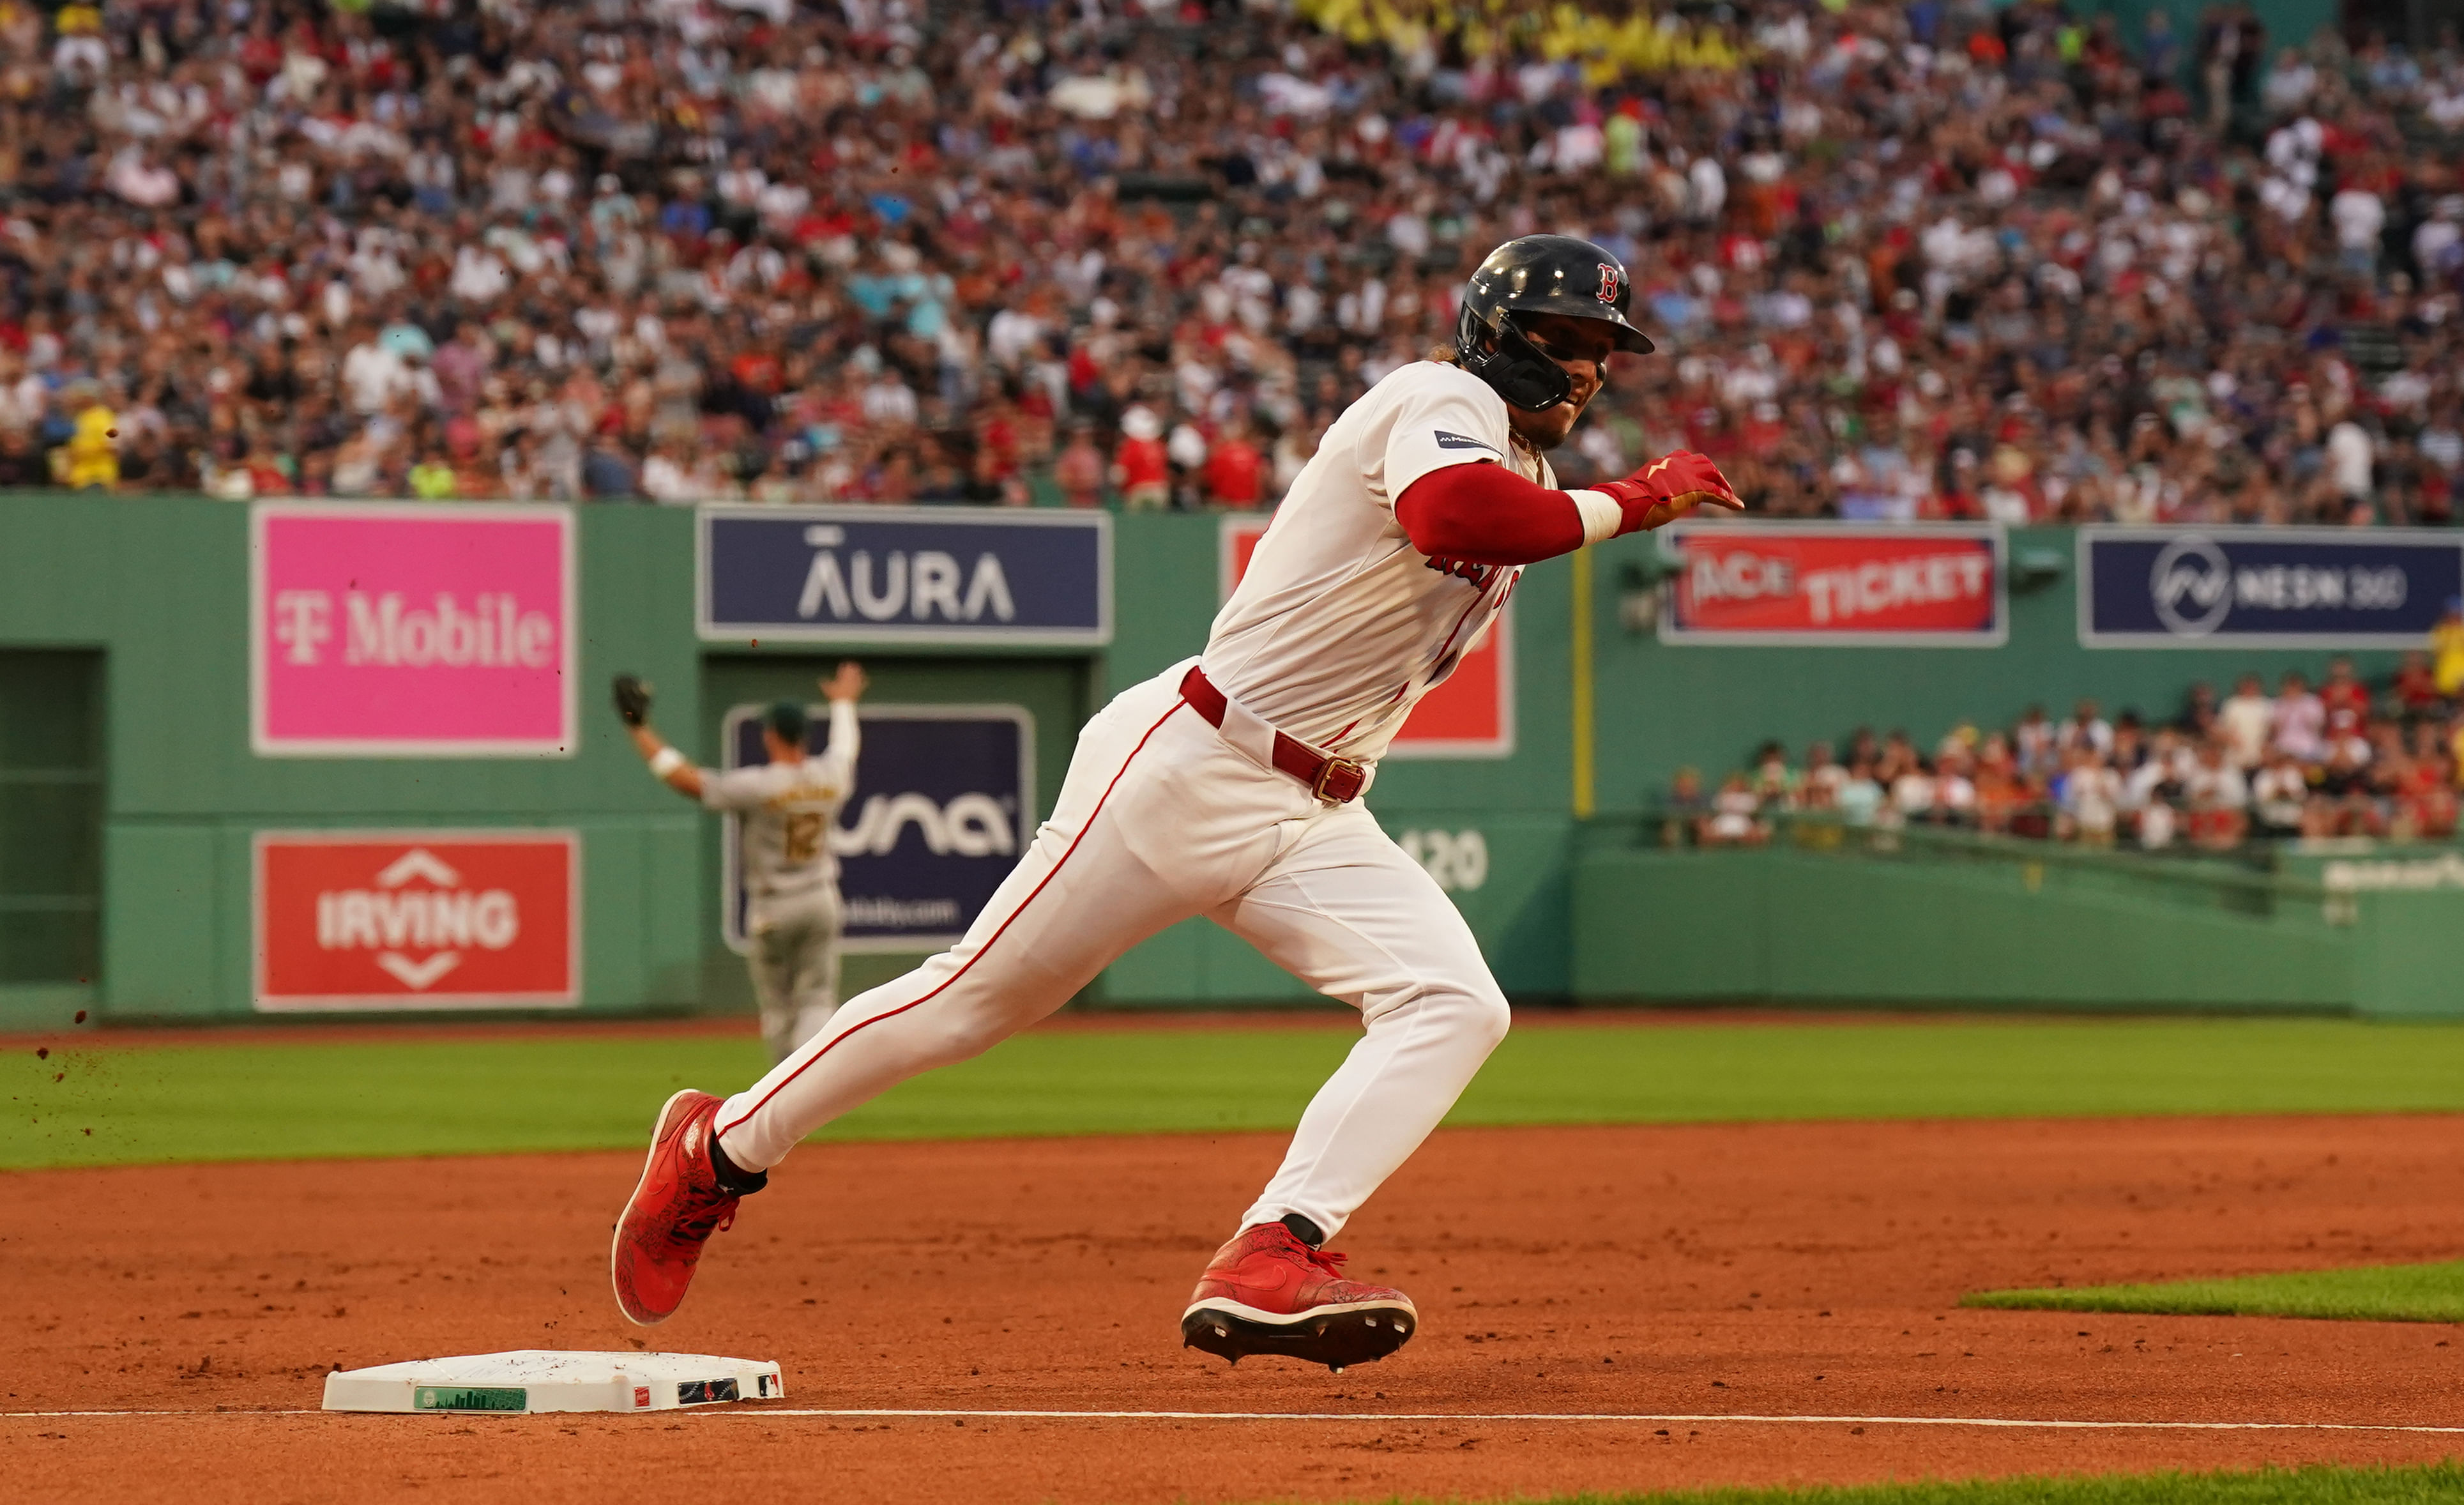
column 1667, row 489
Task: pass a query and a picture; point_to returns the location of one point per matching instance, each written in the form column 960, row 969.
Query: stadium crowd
column 1943, row 258
column 2336, row 759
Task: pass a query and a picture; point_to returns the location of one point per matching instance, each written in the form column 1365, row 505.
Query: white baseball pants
column 793, row 954
column 1159, row 819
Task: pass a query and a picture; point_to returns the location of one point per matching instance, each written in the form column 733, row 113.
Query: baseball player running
column 1229, row 786
column 787, row 807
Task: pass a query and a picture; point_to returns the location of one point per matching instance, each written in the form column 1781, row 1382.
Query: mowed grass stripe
column 313, row 1098
column 2425, row 1484
column 2364, row 1293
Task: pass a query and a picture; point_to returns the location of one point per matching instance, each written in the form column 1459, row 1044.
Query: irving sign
column 417, row 919
column 905, row 575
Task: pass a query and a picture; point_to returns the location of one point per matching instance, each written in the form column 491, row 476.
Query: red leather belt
column 1337, row 780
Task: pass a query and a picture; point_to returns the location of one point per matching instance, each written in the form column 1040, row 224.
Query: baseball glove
column 632, row 699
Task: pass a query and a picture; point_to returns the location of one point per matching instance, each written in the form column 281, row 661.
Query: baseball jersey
column 1340, row 625
column 787, row 809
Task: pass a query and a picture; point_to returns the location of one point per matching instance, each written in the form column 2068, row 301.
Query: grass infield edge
column 2426, row 1292
column 2310, row 1484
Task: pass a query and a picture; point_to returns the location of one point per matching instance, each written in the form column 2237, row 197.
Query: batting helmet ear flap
column 1502, row 355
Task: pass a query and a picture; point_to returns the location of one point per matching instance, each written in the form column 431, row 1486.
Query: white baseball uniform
column 784, row 812
column 1338, row 628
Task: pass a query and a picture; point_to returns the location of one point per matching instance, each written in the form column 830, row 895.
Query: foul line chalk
column 2014, row 1423
column 1628, row 1417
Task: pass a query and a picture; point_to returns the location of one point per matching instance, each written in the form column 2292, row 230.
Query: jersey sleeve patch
column 1442, row 417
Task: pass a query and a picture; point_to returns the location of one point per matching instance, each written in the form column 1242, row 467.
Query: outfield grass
column 2426, row 1484
column 2366, row 1293
column 310, row 1097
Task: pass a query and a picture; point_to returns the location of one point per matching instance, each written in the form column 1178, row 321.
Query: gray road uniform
column 787, row 810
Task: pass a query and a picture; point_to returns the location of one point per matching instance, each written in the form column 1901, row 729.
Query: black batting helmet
column 1539, row 275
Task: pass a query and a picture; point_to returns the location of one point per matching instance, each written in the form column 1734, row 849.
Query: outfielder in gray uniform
column 787, row 807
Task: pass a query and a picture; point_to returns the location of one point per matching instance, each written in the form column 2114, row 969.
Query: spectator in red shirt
column 1235, row 471
column 2346, row 699
column 1140, row 468
column 2416, row 687
column 1079, row 471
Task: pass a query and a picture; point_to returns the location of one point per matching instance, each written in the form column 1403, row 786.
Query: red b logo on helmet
column 1609, row 277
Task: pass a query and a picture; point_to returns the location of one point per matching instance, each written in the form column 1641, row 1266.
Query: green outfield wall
column 130, row 795
column 1863, row 918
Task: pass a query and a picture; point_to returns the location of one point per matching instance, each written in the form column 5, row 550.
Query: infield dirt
column 1770, row 1270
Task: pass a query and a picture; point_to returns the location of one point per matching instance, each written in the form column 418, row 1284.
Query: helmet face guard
column 1502, row 355
column 1539, row 275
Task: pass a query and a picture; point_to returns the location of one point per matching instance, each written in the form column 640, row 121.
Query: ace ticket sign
column 1469, row 714
column 1901, row 587
column 427, row 631
column 417, row 919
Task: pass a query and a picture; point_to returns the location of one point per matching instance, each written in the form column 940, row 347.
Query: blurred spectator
column 1684, row 811
column 2301, row 719
column 2244, row 721
column 1860, row 797
column 2447, row 642
column 2090, row 797
column 1823, row 778
column 1079, row 470
column 2084, row 732
column 1735, row 816
column 2343, row 700
column 2416, row 688
column 2340, row 763
column 1235, row 471
column 2219, row 799
column 1939, row 260
column 1141, row 470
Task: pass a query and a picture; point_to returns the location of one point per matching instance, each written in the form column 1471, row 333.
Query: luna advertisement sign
column 943, row 805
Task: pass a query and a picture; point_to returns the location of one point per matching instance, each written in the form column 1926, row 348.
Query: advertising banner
column 428, row 631
column 905, row 575
column 1924, row 585
column 944, row 804
column 2264, row 588
column 369, row 919
column 1469, row 714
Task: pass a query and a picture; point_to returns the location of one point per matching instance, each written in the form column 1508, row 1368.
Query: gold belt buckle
column 1326, row 771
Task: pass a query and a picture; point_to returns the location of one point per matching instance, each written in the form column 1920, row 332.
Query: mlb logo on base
column 417, row 919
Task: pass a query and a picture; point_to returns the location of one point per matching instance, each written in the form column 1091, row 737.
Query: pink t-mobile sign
column 421, row 631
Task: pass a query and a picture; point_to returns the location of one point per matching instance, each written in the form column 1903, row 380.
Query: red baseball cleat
column 675, row 1208
column 1268, row 1293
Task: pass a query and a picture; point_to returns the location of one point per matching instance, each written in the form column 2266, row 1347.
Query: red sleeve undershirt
column 1489, row 514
